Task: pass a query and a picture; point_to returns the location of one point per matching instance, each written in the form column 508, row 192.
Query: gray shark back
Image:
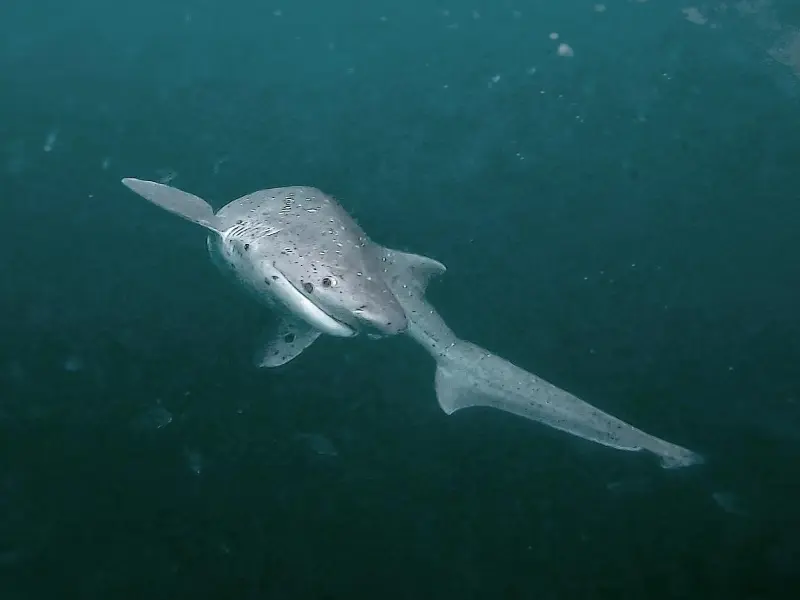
column 284, row 206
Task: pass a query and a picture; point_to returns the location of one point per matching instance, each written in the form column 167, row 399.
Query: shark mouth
column 305, row 308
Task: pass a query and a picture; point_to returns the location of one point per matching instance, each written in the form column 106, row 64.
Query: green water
column 622, row 221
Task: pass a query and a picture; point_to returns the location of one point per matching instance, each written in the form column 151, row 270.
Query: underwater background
column 614, row 190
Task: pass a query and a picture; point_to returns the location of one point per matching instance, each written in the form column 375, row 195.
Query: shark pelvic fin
column 286, row 343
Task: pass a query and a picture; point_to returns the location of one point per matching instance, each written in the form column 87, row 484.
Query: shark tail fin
column 418, row 270
column 468, row 375
column 183, row 204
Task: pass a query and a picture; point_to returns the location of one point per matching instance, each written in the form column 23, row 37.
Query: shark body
column 300, row 253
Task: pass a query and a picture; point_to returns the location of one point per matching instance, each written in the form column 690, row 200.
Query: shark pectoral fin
column 287, row 342
column 183, row 204
column 416, row 269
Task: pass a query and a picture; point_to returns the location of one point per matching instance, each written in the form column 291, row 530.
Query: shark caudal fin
column 467, row 375
column 183, row 204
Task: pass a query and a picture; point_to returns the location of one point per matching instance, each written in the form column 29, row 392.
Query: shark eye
column 328, row 282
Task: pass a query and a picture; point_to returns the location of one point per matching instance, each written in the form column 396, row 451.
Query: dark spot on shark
column 288, row 338
column 308, row 287
column 247, row 247
column 266, row 280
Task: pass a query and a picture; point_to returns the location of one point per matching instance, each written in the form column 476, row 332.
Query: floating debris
column 194, row 460
column 319, row 444
column 50, row 141
column 565, row 50
column 218, row 163
column 730, row 503
column 152, row 419
column 693, row 15
column 639, row 485
column 166, row 175
column 73, row 364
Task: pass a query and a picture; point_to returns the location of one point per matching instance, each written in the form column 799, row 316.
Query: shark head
column 354, row 294
column 331, row 295
column 297, row 250
column 296, row 246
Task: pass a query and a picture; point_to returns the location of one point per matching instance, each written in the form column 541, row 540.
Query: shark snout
column 381, row 322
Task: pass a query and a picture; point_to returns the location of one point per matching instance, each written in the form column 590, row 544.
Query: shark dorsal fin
column 415, row 270
column 183, row 204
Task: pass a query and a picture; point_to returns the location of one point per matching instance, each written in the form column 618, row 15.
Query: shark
column 300, row 253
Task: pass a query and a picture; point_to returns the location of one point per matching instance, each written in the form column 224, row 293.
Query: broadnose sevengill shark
column 299, row 252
